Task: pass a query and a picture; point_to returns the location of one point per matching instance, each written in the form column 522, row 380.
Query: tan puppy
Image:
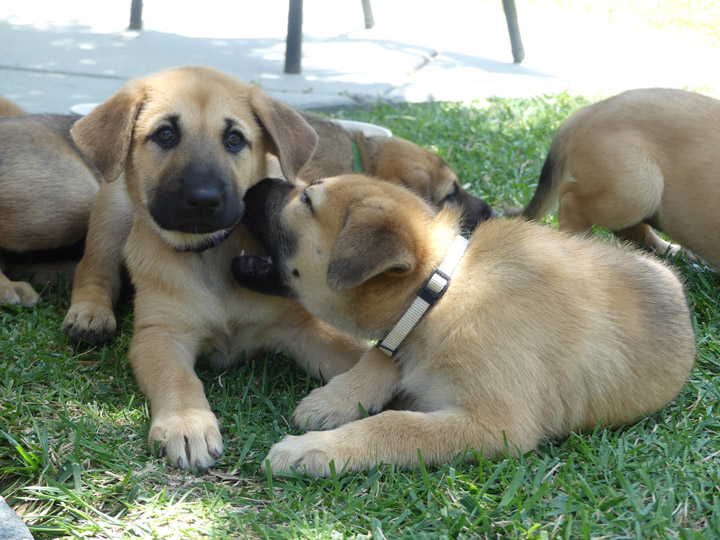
column 191, row 142
column 8, row 108
column 539, row 333
column 395, row 160
column 644, row 158
column 47, row 189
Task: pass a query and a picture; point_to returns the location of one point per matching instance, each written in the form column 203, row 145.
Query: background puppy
column 191, row 142
column 47, row 189
column 539, row 333
column 395, row 160
column 644, row 158
column 8, row 108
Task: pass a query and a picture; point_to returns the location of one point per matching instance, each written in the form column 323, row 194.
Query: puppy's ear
column 370, row 244
column 105, row 134
column 289, row 136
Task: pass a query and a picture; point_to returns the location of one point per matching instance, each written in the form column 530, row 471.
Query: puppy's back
column 590, row 333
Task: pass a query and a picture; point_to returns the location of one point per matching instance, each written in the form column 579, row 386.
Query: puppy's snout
column 475, row 211
column 200, row 199
column 205, row 199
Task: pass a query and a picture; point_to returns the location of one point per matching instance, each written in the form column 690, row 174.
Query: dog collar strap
column 431, row 291
column 357, row 159
column 209, row 243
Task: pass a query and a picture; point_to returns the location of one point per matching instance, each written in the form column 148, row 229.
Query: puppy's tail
column 552, row 175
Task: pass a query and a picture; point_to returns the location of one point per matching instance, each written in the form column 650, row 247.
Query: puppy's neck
column 442, row 231
column 379, row 309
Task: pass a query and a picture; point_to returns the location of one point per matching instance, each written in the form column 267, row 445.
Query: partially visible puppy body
column 538, row 334
column 8, row 108
column 642, row 159
column 47, row 189
column 191, row 141
column 392, row 159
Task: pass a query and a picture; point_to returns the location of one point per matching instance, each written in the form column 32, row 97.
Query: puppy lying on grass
column 529, row 333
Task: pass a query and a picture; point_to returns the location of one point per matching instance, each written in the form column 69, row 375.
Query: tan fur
column 539, row 334
column 46, row 192
column 643, row 155
column 186, row 303
column 8, row 108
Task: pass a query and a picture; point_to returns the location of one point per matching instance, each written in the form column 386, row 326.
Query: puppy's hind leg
column 570, row 211
column 644, row 235
column 617, row 186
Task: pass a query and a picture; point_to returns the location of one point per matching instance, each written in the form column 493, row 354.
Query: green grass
column 74, row 463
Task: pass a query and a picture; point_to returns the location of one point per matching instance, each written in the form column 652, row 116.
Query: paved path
column 57, row 54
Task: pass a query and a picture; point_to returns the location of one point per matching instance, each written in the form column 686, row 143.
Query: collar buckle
column 434, row 287
column 431, row 291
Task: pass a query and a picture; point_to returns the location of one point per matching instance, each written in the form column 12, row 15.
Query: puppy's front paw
column 326, row 408
column 190, row 439
column 309, row 453
column 89, row 322
column 18, row 293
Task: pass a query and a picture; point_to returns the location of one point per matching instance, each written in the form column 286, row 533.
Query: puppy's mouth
column 259, row 274
column 249, row 266
column 195, row 242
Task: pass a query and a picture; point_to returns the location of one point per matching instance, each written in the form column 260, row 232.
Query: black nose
column 201, row 198
column 204, row 199
column 476, row 211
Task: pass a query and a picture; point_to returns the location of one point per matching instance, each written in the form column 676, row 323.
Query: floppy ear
column 105, row 134
column 369, row 245
column 291, row 138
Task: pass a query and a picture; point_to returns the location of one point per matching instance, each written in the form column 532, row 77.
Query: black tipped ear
column 369, row 245
column 105, row 134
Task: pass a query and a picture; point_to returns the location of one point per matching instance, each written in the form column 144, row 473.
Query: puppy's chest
column 429, row 385
column 234, row 313
column 225, row 315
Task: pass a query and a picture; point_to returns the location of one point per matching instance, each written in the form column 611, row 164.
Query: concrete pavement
column 58, row 54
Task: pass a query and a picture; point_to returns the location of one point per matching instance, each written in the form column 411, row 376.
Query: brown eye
column 165, row 137
column 452, row 196
column 235, row 141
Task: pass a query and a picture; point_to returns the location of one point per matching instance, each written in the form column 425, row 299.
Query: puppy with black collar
column 179, row 148
column 524, row 334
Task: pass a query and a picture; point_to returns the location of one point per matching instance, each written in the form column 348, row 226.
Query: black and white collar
column 431, row 291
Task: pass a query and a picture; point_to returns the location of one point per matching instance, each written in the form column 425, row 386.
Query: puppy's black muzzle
column 201, row 199
column 264, row 204
column 475, row 211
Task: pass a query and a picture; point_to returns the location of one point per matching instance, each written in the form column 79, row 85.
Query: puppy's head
column 427, row 174
column 348, row 248
column 191, row 141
